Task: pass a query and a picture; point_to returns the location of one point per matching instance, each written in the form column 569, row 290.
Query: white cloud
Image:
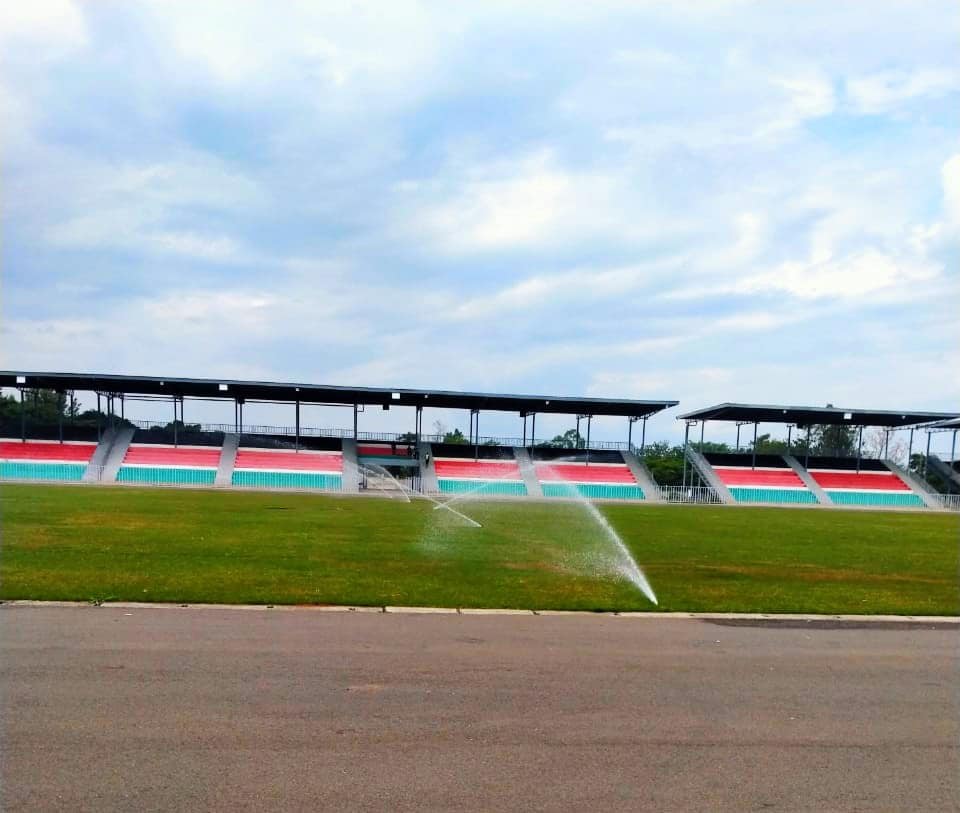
column 890, row 90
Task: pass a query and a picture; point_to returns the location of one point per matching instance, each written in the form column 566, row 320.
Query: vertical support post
column 524, row 430
column 236, row 421
column 910, row 450
column 123, row 406
column 789, row 438
column 533, row 431
column 859, row 447
column 738, row 436
column 98, row 413
column 703, row 428
column 577, row 441
column 925, row 459
column 296, row 427
column 629, row 434
column 886, row 444
column 753, row 464
column 240, row 405
column 686, row 440
column 23, row 418
column 953, row 448
column 806, row 461
column 174, row 420
column 643, row 436
column 60, row 409
column 418, row 421
column 589, row 424
column 355, row 409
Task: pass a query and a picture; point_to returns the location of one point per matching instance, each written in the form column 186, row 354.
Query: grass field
column 62, row 542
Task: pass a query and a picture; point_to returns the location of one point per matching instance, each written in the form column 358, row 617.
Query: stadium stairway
column 640, row 472
column 705, row 470
column 822, row 497
column 527, row 471
column 945, row 472
column 350, row 481
column 228, row 456
column 94, row 472
column 918, row 486
column 113, row 460
column 428, row 471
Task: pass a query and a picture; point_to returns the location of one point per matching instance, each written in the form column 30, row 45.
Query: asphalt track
column 215, row 709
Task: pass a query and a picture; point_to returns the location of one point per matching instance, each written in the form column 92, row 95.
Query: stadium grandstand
column 115, row 449
column 805, row 473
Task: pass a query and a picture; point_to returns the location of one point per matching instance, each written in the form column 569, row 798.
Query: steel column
column 686, row 440
column 703, row 428
column 910, row 450
column 643, row 436
column 174, row 420
column 789, row 438
column 60, row 416
column 589, row 423
column 859, row 447
column 806, row 461
column 296, row 420
column 98, row 413
column 927, row 457
column 753, row 464
column 953, row 448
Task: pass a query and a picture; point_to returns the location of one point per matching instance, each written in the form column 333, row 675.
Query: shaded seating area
column 44, row 460
column 765, row 479
column 874, row 484
column 161, row 464
column 491, row 476
column 282, row 468
column 596, row 481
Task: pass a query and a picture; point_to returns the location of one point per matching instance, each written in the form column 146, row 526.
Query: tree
column 571, row 439
column 833, row 440
column 456, row 436
column 665, row 463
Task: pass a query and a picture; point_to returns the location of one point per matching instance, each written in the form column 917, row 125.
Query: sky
column 702, row 201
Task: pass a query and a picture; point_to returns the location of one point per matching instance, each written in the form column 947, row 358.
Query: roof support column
column 953, row 447
column 789, row 437
column 60, row 415
column 589, row 424
column 686, row 441
column 630, row 434
column 354, row 421
column 98, row 412
column 23, row 418
column 703, row 428
column 576, row 443
column 753, row 464
column 418, row 419
column 296, row 427
column 174, row 420
column 524, row 429
column 240, row 405
column 886, row 444
column 859, row 447
column 533, row 431
column 806, row 461
column 643, row 435
column 927, row 457
column 910, row 450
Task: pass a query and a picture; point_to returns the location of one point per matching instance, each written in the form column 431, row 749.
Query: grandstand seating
column 169, row 465
column 772, row 480
column 462, row 476
column 881, row 488
column 605, row 481
column 44, row 460
column 282, row 468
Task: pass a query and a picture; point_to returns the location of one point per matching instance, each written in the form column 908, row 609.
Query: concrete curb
column 392, row 610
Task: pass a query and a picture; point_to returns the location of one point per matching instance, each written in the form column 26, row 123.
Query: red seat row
column 778, row 478
column 192, row 456
column 582, row 473
column 280, row 460
column 478, row 469
column 862, row 481
column 54, row 452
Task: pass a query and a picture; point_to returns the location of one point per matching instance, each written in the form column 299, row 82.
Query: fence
column 948, row 502
column 700, row 495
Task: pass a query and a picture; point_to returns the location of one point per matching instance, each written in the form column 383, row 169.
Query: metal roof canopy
column 230, row 389
column 951, row 424
column 805, row 416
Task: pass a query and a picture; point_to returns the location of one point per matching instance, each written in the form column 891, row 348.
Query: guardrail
column 700, row 495
column 948, row 502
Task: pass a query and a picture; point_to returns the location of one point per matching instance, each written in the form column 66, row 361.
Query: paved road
column 209, row 709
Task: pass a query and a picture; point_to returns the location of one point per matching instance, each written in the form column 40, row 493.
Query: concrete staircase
column 351, row 467
column 922, row 489
column 946, row 473
column 640, row 472
column 228, row 457
column 428, row 472
column 527, row 471
column 705, row 470
column 816, row 489
column 118, row 450
column 94, row 469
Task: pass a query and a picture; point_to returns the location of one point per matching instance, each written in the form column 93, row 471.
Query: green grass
column 101, row 543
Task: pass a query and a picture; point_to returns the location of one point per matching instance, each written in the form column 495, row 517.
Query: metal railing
column 948, row 502
column 699, row 495
column 384, row 437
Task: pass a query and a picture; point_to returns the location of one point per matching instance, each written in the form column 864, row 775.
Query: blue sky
column 713, row 201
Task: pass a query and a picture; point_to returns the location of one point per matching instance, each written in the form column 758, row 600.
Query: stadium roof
column 804, row 416
column 949, row 423
column 327, row 394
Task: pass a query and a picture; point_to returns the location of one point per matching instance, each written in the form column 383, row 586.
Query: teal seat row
column 15, row 470
column 287, row 479
column 903, row 499
column 593, row 491
column 794, row 496
column 163, row 475
column 482, row 487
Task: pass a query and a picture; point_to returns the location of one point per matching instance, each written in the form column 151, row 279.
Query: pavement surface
column 112, row 708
